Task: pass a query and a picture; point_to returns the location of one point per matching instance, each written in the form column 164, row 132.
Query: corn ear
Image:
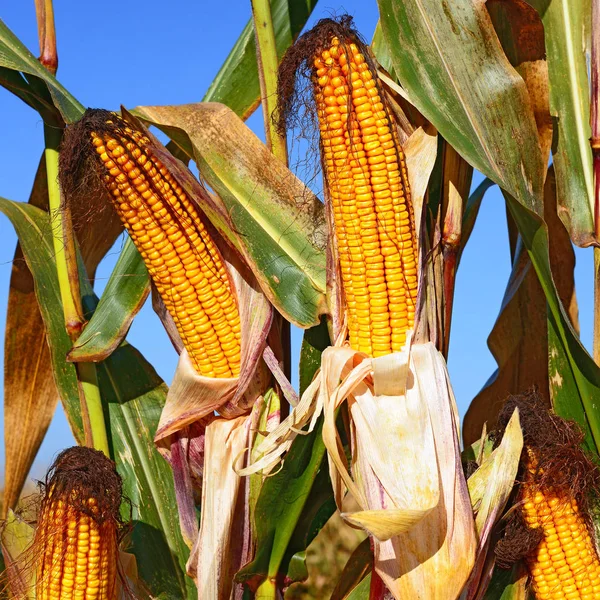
column 368, row 187
column 170, row 232
column 417, row 506
column 565, row 564
column 76, row 538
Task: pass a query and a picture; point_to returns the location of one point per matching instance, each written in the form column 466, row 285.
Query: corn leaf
column 508, row 584
column 236, row 83
column 362, row 590
column 22, row 74
column 278, row 224
column 35, row 237
column 123, row 297
column 477, row 110
column 280, row 505
column 314, row 341
column 356, row 570
column 521, row 33
column 564, row 23
column 486, row 114
column 133, row 397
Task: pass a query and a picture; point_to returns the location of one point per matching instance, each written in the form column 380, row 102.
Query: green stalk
column 68, row 280
column 268, row 63
column 267, row 590
column 595, row 144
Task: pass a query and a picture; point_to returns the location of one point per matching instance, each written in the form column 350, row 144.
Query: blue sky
column 114, row 53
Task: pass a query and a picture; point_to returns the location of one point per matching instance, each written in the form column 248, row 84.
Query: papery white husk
column 224, row 542
column 406, row 470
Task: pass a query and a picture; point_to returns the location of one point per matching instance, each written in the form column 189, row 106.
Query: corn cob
column 182, row 258
column 368, row 187
column 565, row 564
column 77, row 532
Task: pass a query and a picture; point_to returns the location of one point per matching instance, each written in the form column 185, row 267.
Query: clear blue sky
column 114, row 53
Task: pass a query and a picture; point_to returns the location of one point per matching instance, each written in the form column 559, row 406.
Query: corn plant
column 218, row 485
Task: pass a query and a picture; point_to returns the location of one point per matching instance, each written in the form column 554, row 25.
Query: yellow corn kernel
column 182, row 259
column 367, row 182
column 565, row 563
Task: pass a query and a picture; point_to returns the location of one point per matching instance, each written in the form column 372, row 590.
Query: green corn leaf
column 236, row 83
column 24, row 75
column 564, row 31
column 123, row 297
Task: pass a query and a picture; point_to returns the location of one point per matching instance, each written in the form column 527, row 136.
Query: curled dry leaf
column 489, row 488
column 224, row 541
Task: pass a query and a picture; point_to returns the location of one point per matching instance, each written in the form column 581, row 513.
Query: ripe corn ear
column 182, row 258
column 76, row 541
column 79, row 557
column 565, row 564
column 368, row 187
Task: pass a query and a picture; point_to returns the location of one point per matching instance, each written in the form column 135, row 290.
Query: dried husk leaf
column 491, row 484
column 402, row 406
column 420, row 151
column 224, row 542
column 489, row 488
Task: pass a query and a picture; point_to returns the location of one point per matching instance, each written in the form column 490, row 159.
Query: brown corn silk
column 367, row 185
column 76, row 539
column 553, row 529
column 170, row 232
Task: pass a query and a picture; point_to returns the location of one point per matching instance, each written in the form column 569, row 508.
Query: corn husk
column 406, row 472
column 489, row 488
column 224, row 542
